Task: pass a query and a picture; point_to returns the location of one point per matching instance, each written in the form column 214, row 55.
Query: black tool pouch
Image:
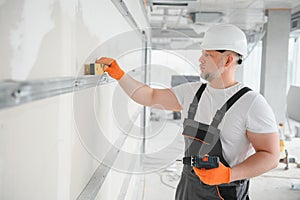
column 202, row 132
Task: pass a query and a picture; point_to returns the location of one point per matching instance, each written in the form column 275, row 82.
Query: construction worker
column 245, row 136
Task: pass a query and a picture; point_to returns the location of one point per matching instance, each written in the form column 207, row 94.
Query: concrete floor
column 161, row 184
column 277, row 183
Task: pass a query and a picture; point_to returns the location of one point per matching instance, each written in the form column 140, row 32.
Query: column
column 275, row 60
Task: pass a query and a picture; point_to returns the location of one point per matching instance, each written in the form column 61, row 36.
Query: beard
column 210, row 76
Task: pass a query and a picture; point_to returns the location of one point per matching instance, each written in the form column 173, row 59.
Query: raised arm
column 140, row 92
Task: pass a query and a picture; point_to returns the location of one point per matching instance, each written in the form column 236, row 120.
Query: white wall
column 44, row 145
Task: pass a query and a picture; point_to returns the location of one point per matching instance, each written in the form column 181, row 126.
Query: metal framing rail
column 96, row 181
column 13, row 93
column 123, row 9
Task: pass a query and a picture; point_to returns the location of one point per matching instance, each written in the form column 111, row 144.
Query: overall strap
column 194, row 105
column 221, row 112
column 217, row 149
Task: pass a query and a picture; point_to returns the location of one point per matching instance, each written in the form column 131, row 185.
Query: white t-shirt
column 251, row 112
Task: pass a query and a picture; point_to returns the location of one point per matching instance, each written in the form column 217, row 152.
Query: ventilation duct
column 206, row 17
column 295, row 24
column 175, row 3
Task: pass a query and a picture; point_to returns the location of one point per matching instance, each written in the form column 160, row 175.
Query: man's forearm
column 137, row 91
column 255, row 165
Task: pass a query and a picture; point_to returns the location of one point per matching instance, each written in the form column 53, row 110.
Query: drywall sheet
column 50, row 148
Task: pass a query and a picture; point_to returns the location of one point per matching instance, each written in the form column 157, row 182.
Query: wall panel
column 50, row 148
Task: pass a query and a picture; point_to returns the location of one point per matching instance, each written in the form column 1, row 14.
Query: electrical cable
column 171, row 174
column 163, row 182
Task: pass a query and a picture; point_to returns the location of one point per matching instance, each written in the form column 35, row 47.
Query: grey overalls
column 198, row 136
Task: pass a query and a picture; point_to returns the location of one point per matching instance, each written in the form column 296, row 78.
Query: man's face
column 211, row 65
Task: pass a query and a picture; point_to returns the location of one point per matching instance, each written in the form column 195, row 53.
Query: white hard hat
column 225, row 37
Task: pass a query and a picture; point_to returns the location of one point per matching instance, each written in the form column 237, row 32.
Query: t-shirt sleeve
column 260, row 117
column 179, row 93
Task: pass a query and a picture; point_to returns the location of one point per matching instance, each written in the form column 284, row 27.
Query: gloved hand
column 214, row 176
column 111, row 67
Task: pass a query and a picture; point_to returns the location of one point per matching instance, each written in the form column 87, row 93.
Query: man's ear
column 229, row 60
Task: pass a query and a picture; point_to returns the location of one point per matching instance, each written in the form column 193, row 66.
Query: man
column 248, row 143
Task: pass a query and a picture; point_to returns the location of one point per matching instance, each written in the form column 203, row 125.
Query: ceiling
column 180, row 24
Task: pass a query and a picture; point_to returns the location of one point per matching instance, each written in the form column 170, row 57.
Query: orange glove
column 112, row 67
column 215, row 176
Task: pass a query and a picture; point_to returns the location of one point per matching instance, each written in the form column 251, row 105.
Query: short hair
column 239, row 61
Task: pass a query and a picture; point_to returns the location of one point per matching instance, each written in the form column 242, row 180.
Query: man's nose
column 201, row 60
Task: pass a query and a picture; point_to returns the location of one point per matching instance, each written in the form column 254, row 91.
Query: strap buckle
column 194, row 160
